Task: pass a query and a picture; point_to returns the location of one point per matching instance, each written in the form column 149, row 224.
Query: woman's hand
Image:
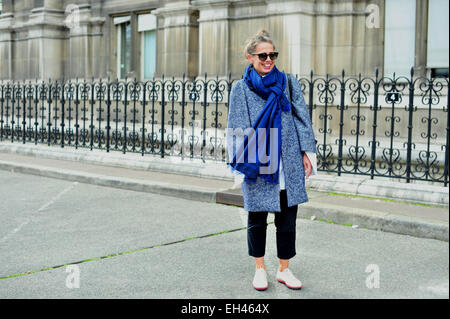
column 307, row 165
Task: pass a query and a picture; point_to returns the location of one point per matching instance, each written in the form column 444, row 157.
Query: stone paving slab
column 334, row 262
column 48, row 222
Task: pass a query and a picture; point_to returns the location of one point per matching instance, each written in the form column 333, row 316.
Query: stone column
column 214, row 37
column 344, row 41
column 34, row 40
column 177, row 40
column 6, row 48
column 85, row 46
column 290, row 23
column 346, row 36
column 420, row 63
column 40, row 45
column 246, row 18
column 373, row 41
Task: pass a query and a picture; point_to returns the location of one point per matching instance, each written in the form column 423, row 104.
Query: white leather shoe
column 286, row 277
column 260, row 279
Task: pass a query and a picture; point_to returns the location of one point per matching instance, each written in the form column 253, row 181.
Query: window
column 147, row 28
column 123, row 46
column 437, row 45
column 399, row 42
column 439, row 72
column 0, row 6
column 149, row 54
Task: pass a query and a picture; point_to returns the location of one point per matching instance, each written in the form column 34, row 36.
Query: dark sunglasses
column 263, row 56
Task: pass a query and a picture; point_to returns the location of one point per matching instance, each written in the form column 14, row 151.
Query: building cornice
column 287, row 13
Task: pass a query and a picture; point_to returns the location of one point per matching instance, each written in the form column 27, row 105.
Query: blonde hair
column 251, row 43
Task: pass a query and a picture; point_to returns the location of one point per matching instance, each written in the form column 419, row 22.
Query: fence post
column 100, row 98
column 49, row 103
column 125, row 103
column 163, row 102
column 1, row 110
column 374, row 126
column 144, row 86
column 9, row 90
column 183, row 103
column 63, row 102
column 116, row 98
column 325, row 123
column 12, row 112
column 410, row 126
column 341, row 122
column 91, row 125
column 205, row 97
column 108, row 115
column 77, row 103
column 310, row 93
column 24, row 101
column 448, row 137
column 55, row 115
column 36, row 104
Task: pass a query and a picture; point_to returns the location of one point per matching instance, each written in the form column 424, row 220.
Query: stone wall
column 193, row 37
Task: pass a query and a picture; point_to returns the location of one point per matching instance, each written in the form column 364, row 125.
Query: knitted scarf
column 259, row 154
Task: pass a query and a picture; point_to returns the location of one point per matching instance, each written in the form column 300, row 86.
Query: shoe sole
column 261, row 289
column 290, row 287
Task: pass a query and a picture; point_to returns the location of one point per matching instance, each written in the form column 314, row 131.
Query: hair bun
column 262, row 33
column 261, row 36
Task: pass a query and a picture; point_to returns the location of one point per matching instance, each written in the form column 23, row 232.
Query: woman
column 273, row 120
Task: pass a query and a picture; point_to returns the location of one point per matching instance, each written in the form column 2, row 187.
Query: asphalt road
column 62, row 239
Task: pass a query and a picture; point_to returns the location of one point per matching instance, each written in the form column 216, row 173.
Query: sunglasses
column 263, row 56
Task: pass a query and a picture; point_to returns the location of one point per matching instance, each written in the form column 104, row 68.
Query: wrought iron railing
column 394, row 127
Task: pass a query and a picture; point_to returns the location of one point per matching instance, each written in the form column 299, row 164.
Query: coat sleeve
column 238, row 122
column 302, row 123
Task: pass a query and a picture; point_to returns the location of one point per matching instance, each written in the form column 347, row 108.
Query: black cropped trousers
column 285, row 222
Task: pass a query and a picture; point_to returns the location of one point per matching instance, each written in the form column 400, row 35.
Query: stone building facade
column 42, row 39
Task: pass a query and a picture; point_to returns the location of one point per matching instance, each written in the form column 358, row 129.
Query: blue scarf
column 258, row 143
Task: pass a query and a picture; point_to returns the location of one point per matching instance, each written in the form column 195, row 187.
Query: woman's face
column 262, row 67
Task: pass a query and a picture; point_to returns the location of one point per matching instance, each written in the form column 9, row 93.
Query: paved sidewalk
column 385, row 214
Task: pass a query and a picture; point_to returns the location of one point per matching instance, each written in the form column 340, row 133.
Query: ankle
column 259, row 262
column 281, row 268
column 283, row 264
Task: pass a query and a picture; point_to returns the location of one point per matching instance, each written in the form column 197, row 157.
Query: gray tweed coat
column 297, row 136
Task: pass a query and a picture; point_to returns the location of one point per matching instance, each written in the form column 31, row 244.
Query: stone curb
column 169, row 164
column 356, row 185
column 375, row 220
column 168, row 189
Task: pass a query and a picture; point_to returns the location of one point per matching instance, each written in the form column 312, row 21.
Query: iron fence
column 394, row 127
